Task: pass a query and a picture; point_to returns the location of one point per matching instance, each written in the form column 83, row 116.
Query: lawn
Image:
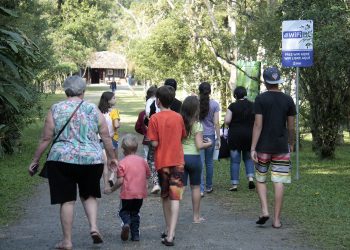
column 317, row 205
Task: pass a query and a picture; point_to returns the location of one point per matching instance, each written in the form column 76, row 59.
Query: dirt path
column 39, row 227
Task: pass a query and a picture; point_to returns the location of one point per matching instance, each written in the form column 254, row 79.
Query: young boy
column 165, row 131
column 132, row 175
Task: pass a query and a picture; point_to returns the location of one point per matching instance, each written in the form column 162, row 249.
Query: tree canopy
column 192, row 41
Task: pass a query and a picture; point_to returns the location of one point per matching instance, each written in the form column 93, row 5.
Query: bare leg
column 166, row 212
column 105, row 171
column 262, row 192
column 174, row 206
column 90, row 206
column 279, row 190
column 196, row 199
column 66, row 215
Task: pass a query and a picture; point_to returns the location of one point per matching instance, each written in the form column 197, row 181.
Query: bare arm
column 217, row 129
column 45, row 140
column 228, row 117
column 154, row 144
column 107, row 141
column 291, row 132
column 256, row 134
column 118, row 184
column 199, row 141
column 116, row 123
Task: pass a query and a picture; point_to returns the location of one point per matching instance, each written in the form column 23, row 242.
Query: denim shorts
column 115, row 144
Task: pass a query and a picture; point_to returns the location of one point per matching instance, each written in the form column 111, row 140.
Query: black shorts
column 64, row 178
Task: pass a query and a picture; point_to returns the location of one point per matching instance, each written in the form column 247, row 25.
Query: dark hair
column 204, row 92
column 189, row 112
column 104, row 101
column 166, row 95
column 151, row 91
column 171, row 82
column 239, row 92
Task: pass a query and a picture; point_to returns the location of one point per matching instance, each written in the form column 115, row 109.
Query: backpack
column 109, row 124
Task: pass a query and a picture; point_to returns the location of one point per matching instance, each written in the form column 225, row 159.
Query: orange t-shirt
column 167, row 127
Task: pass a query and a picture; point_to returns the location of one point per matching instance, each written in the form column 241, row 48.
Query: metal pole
column 297, row 124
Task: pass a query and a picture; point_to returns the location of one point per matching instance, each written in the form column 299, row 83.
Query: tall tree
column 327, row 84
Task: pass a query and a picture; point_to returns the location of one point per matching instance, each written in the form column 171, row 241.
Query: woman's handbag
column 43, row 173
column 224, row 151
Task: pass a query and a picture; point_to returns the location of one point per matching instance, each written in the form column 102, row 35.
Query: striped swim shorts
column 280, row 167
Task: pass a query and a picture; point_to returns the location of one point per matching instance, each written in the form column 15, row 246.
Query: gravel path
column 39, row 227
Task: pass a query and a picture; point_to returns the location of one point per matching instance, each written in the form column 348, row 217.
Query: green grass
column 317, row 206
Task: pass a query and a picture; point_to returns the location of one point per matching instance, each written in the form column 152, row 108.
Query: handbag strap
column 65, row 125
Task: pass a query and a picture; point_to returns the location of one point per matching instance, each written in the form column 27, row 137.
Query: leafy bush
column 18, row 98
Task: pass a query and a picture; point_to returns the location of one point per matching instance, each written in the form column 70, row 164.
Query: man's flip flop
column 262, row 220
column 96, row 237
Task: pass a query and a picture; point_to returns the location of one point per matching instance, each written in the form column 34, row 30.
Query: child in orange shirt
column 132, row 175
column 166, row 130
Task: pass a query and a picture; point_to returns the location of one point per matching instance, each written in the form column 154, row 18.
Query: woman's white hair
column 74, row 85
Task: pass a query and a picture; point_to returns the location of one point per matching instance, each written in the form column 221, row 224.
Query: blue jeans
column 207, row 160
column 236, row 162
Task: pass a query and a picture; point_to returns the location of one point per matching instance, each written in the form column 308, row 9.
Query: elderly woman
column 75, row 157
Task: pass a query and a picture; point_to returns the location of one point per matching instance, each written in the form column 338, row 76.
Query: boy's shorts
column 280, row 167
column 171, row 182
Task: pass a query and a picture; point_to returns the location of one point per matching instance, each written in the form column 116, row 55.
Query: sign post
column 297, row 51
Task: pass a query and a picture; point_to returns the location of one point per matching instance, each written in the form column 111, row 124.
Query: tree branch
column 226, row 63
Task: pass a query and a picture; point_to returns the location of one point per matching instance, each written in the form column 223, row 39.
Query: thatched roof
column 107, row 60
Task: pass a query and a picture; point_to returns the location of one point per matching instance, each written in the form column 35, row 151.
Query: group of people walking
column 179, row 142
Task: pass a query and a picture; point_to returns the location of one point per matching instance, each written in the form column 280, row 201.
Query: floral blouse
column 78, row 143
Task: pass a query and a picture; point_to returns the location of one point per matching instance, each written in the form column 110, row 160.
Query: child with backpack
column 112, row 116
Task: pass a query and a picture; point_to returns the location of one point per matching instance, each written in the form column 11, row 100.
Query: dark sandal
column 275, row 227
column 168, row 243
column 262, row 220
column 96, row 237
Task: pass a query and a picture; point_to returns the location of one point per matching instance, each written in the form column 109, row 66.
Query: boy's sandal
column 163, row 235
column 96, row 237
column 168, row 243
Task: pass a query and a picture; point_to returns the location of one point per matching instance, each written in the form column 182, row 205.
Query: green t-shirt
column 189, row 143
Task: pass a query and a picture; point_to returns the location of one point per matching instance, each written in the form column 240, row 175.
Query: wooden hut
column 105, row 67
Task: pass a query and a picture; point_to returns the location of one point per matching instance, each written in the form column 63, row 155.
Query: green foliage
column 80, row 28
column 18, row 55
column 326, row 84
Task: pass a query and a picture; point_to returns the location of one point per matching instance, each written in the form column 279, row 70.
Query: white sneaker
column 155, row 189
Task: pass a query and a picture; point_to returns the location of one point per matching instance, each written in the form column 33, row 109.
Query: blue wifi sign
column 297, row 43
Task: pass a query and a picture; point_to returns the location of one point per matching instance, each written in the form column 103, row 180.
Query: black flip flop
column 168, row 243
column 262, row 220
column 275, row 227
